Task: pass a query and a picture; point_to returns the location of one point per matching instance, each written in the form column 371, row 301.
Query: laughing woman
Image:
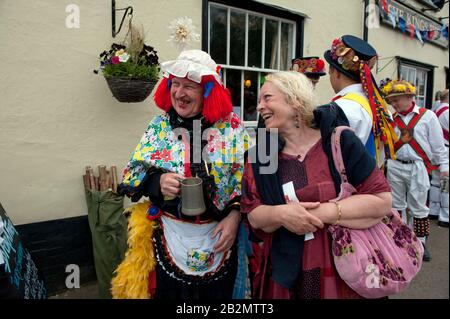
column 290, row 267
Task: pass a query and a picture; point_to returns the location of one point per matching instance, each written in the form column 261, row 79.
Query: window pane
column 262, row 78
column 218, row 34
column 403, row 73
column 237, row 38
column 420, row 100
column 250, row 95
column 234, row 85
column 254, row 41
column 412, row 76
column 271, row 45
column 421, row 81
column 287, row 31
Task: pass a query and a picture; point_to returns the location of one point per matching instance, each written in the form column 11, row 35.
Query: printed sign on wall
column 16, row 262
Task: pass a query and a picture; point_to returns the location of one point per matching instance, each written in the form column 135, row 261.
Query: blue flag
column 424, row 35
column 419, row 35
column 402, row 24
column 444, row 31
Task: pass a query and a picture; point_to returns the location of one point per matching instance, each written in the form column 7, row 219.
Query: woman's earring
column 297, row 122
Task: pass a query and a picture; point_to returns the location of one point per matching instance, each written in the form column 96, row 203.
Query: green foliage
column 130, row 69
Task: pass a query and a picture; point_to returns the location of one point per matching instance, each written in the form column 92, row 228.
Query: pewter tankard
column 192, row 202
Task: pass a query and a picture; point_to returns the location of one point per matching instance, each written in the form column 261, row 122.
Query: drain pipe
column 366, row 15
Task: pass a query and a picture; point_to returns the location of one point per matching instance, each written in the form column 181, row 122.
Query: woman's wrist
column 235, row 214
column 326, row 212
column 339, row 213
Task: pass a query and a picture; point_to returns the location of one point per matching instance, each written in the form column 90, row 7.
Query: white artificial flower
column 182, row 32
column 124, row 57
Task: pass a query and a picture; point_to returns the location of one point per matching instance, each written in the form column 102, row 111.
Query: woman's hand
column 170, row 184
column 298, row 220
column 227, row 229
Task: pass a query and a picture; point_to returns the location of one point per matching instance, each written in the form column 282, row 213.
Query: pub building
column 57, row 116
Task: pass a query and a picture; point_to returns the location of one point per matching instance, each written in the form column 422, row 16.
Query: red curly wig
column 217, row 103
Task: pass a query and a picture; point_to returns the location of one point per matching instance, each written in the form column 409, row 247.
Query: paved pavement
column 432, row 282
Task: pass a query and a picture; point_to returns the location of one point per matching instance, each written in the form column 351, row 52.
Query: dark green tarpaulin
column 108, row 226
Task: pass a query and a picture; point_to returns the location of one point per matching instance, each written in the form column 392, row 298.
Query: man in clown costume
column 172, row 254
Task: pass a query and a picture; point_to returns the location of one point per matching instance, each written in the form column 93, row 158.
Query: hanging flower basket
column 132, row 69
column 130, row 90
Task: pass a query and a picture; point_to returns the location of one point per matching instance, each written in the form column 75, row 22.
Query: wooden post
column 86, row 182
column 92, row 179
column 114, row 177
column 102, row 177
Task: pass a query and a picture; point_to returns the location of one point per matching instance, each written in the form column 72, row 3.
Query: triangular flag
column 444, row 31
column 424, row 35
column 393, row 18
column 384, row 5
column 402, row 24
column 419, row 35
column 411, row 31
column 431, row 35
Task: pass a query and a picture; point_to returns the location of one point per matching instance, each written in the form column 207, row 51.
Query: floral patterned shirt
column 161, row 147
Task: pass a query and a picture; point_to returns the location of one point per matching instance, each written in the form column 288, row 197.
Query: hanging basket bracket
column 128, row 10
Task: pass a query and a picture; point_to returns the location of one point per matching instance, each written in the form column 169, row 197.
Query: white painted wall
column 56, row 116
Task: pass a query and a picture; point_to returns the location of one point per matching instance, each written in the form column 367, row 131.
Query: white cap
column 193, row 64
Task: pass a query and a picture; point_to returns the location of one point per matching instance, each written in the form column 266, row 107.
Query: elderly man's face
column 187, row 97
column 400, row 103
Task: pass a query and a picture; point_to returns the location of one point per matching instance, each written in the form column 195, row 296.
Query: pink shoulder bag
column 378, row 261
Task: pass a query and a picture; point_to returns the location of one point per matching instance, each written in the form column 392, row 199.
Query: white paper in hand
column 290, row 196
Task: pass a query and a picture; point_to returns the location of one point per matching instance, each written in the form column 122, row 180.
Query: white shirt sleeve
column 443, row 119
column 436, row 139
column 358, row 118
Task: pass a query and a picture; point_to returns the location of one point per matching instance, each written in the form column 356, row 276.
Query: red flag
column 431, row 34
column 384, row 5
column 411, row 31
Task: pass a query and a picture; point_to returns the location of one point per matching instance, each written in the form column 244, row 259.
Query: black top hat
column 311, row 66
column 346, row 54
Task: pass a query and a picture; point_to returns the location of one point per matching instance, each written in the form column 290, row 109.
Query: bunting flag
column 444, row 31
column 431, row 35
column 393, row 18
column 411, row 31
column 419, row 35
column 424, row 35
column 384, row 5
column 402, row 24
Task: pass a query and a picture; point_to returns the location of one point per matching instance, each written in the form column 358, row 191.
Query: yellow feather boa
column 131, row 280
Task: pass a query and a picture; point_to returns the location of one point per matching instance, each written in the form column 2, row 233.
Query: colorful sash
column 370, row 144
column 439, row 113
column 407, row 137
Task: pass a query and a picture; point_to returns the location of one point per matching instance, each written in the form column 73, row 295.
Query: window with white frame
column 417, row 76
column 248, row 45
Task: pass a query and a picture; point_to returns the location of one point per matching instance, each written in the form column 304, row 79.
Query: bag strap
column 337, row 151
